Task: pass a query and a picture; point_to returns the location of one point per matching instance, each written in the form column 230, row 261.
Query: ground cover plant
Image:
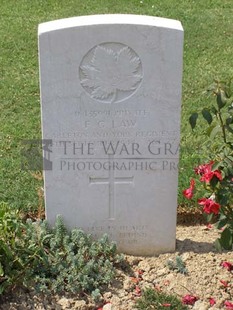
column 53, row 260
column 158, row 301
column 178, row 265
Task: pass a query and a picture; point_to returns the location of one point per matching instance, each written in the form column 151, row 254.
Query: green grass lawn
column 208, row 51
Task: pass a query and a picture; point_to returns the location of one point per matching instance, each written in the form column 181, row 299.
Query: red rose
column 212, row 301
column 228, row 305
column 210, row 206
column 206, row 173
column 202, row 169
column 188, row 193
column 218, row 174
column 189, row 300
column 227, row 265
column 224, row 283
column 208, row 176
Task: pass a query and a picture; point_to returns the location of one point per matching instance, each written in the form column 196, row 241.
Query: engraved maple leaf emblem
column 111, row 71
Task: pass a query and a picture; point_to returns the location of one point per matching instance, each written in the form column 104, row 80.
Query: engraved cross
column 111, row 181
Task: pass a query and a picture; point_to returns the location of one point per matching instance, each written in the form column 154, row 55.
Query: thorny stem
column 220, row 115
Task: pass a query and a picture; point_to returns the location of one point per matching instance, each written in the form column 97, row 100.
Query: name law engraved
column 110, row 97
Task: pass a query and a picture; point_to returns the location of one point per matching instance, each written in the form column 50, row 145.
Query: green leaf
column 230, row 170
column 6, row 250
column 229, row 120
column 222, row 216
column 207, row 116
column 217, row 245
column 228, row 91
column 230, row 108
column 216, row 166
column 214, row 181
column 210, row 128
column 229, row 128
column 193, row 120
column 220, row 224
column 228, row 161
column 226, row 239
column 1, row 270
column 221, row 99
column 209, row 217
column 47, row 238
column 214, row 110
column 7, row 282
column 230, row 157
column 215, row 131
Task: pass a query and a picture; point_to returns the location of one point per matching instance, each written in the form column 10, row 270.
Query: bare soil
column 203, row 263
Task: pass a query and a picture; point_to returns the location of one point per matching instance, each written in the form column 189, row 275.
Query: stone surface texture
column 111, row 98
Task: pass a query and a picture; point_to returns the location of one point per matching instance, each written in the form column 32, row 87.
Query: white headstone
column 111, row 98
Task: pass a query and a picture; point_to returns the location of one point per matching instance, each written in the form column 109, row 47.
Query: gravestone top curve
column 109, row 19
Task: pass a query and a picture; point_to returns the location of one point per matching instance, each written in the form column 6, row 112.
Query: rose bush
column 216, row 176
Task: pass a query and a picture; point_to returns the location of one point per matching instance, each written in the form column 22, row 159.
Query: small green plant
column 53, row 260
column 217, row 176
column 74, row 262
column 154, row 300
column 177, row 265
